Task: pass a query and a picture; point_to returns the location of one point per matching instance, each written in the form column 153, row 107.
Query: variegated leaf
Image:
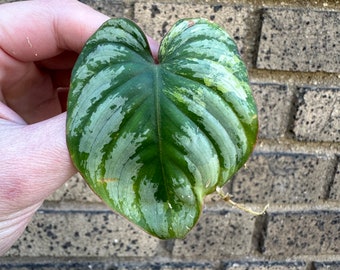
column 152, row 140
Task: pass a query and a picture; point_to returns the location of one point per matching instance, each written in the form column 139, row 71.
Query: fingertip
column 75, row 26
column 46, row 28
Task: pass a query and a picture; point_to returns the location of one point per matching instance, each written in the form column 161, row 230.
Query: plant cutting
column 153, row 138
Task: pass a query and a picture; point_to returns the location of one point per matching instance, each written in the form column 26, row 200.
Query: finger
column 9, row 115
column 37, row 30
column 65, row 60
column 30, row 95
column 12, row 225
column 34, row 31
column 36, row 165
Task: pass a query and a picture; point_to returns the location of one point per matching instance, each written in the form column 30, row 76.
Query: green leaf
column 152, row 140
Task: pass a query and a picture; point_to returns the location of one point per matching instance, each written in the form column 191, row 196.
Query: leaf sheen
column 152, row 140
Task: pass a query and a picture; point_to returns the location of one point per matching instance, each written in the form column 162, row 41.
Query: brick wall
column 292, row 50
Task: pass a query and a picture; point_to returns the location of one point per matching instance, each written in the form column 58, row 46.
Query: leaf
column 152, row 140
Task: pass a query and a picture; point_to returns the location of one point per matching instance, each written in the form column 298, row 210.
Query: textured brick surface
column 187, row 266
column 156, row 19
column 318, row 115
column 112, row 8
column 265, row 265
column 83, row 234
column 217, row 236
column 53, row 266
column 303, row 233
column 283, row 178
column 335, row 265
column 274, row 105
column 335, row 188
column 107, row 265
column 162, row 266
column 303, row 40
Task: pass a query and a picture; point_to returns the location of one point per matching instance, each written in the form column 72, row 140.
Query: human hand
column 39, row 43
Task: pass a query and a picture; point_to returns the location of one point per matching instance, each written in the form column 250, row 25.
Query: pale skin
column 39, row 43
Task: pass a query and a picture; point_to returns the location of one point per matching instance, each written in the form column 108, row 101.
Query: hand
column 39, row 43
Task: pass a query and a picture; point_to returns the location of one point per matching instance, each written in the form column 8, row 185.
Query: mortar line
column 293, row 103
column 258, row 30
column 330, row 183
column 295, row 78
column 259, row 233
column 286, row 145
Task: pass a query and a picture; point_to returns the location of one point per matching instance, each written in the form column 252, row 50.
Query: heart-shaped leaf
column 152, row 140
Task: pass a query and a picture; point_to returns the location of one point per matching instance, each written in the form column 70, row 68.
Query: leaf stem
column 227, row 198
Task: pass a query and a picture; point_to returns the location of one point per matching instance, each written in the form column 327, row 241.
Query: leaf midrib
column 158, row 119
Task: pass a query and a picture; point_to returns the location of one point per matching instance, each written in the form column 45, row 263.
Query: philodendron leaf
column 152, row 140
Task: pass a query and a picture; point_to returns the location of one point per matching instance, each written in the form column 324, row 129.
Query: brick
column 163, row 266
column 274, row 105
column 132, row 267
column 217, row 235
column 318, row 115
column 75, row 189
column 156, row 20
column 300, row 40
column 108, row 7
column 303, row 233
column 104, row 264
column 335, row 188
column 334, row 265
column 187, row 266
column 81, row 265
column 283, row 178
column 80, row 233
column 264, row 265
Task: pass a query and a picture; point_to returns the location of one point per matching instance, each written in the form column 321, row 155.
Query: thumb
column 35, row 161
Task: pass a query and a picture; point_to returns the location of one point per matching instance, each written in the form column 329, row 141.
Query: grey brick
column 217, row 235
column 318, row 115
column 187, row 266
column 303, row 233
column 334, row 265
column 101, row 264
column 53, row 265
column 83, row 234
column 132, row 267
column 156, row 19
column 300, row 39
column 75, row 189
column 274, row 105
column 265, row 265
column 111, row 8
column 162, row 266
column 283, row 178
column 335, row 188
